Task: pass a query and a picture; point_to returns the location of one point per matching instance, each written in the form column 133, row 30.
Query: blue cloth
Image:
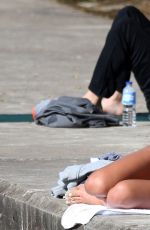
column 74, row 175
column 111, row 156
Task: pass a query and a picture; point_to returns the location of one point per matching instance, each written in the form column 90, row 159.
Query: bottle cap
column 128, row 82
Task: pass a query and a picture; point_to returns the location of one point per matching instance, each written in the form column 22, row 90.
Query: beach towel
column 83, row 213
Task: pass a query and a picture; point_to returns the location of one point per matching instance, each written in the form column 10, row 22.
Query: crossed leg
column 122, row 184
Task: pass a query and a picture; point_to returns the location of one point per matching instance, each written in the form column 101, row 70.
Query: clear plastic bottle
column 129, row 105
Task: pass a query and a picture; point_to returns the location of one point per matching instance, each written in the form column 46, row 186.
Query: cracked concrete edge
column 26, row 209
column 22, row 209
column 33, row 209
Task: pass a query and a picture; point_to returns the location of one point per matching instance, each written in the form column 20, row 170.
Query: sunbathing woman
column 125, row 183
column 127, row 49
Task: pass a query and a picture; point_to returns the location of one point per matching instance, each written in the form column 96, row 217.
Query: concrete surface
column 47, row 50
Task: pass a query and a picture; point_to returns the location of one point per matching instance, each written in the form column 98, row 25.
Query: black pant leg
column 131, row 12
column 137, row 31
column 113, row 66
column 127, row 48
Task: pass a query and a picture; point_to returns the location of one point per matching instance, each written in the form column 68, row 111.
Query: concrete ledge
column 35, row 210
column 28, row 209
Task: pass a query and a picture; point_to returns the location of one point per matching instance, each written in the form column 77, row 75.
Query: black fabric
column 73, row 112
column 127, row 49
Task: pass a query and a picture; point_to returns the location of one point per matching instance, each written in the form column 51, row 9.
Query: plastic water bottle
column 129, row 105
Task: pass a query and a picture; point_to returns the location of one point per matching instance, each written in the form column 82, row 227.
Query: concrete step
column 36, row 210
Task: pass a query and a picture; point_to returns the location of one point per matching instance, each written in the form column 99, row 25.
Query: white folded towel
column 82, row 213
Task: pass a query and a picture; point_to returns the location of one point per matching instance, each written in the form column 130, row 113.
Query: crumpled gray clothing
column 69, row 112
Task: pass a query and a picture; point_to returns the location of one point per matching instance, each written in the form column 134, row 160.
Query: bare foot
column 78, row 195
column 112, row 106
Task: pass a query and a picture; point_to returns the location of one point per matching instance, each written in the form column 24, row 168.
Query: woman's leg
column 132, row 166
column 129, row 194
column 127, row 48
column 137, row 33
column 133, row 193
column 100, row 184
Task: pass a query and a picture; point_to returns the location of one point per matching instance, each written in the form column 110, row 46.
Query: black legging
column 127, row 49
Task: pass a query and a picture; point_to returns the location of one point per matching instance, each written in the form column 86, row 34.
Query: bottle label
column 129, row 98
